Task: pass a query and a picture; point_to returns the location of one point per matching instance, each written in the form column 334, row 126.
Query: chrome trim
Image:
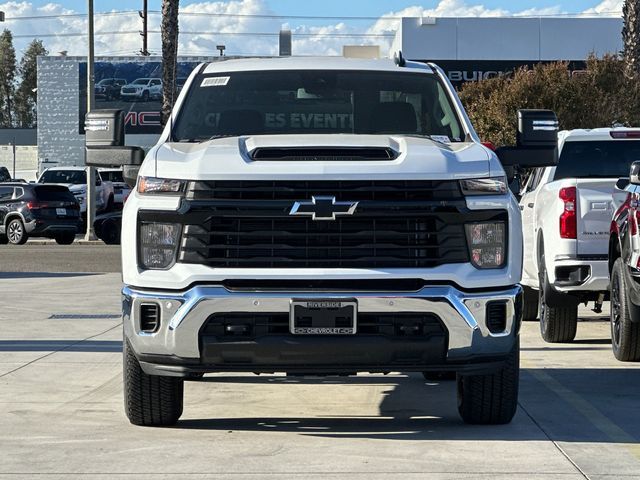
column 183, row 315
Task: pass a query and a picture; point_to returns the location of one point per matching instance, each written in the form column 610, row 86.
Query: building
column 19, row 152
column 477, row 48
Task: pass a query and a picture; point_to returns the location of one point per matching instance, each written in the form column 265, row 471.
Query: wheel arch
column 615, row 250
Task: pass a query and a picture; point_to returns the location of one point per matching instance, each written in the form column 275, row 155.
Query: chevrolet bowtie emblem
column 323, row 208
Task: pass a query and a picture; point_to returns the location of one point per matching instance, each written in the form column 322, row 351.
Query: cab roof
column 594, row 134
column 312, row 63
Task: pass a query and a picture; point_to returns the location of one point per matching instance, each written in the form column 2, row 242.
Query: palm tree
column 631, row 37
column 169, row 33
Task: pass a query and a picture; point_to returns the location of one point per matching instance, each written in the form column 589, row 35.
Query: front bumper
column 179, row 347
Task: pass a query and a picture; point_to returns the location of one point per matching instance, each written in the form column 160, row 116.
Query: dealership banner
column 135, row 87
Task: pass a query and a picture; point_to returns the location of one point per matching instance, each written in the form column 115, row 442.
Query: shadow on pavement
column 9, row 275
column 58, row 345
column 599, row 407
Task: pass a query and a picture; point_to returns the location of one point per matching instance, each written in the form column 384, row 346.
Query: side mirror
column 622, row 183
column 634, row 173
column 537, row 141
column 104, row 142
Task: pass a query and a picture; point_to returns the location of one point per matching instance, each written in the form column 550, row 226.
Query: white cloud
column 310, row 38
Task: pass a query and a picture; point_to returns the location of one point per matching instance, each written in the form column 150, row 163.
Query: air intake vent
column 496, row 318
column 149, row 317
column 318, row 154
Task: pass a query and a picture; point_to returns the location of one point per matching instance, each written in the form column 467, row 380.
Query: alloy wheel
column 15, row 232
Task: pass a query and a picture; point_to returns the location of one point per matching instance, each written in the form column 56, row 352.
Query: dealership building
column 467, row 49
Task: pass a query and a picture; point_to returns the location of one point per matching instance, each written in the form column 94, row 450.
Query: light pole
column 91, row 172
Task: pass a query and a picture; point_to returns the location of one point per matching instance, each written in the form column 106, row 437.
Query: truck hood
column 230, row 158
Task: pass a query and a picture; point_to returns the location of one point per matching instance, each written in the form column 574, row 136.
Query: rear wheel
column 558, row 324
column 491, row 399
column 530, row 304
column 16, row 233
column 625, row 335
column 65, row 238
column 150, row 400
column 110, row 232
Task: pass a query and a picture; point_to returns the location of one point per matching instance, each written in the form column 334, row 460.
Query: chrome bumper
column 183, row 314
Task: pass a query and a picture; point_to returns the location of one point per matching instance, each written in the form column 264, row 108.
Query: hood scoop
column 323, row 154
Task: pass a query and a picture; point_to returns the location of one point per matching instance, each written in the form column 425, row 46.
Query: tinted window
column 6, row 193
column 313, row 101
column 54, row 194
column 112, row 176
column 4, row 174
column 604, row 159
column 64, row 176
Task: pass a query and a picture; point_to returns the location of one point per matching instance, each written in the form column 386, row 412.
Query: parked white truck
column 566, row 215
column 75, row 179
column 320, row 216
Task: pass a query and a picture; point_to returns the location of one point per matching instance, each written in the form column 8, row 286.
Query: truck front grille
column 397, row 224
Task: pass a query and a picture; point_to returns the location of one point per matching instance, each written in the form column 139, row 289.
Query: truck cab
column 320, row 216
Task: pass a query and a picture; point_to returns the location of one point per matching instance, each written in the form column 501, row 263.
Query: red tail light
column 625, row 134
column 36, row 205
column 489, row 145
column 568, row 220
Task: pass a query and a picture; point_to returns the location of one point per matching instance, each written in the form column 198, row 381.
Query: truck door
column 527, row 207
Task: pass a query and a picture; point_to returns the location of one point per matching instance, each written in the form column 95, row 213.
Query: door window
column 6, row 193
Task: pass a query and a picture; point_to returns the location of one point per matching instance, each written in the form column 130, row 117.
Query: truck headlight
column 158, row 244
column 152, row 185
column 486, row 244
column 484, row 186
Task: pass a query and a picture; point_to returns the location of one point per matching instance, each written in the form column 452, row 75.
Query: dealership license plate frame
column 320, row 307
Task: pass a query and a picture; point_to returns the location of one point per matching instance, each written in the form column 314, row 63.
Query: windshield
column 105, row 82
column 602, row 159
column 64, row 176
column 315, row 101
column 141, row 81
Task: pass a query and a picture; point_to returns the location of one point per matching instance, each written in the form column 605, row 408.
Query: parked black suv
column 5, row 176
column 34, row 210
column 109, row 88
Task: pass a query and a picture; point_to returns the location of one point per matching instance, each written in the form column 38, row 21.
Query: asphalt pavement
column 47, row 256
column 61, row 412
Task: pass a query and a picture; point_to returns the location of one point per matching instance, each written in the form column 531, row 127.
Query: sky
column 202, row 27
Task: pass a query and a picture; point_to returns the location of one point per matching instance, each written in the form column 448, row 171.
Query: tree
column 169, row 32
column 596, row 97
column 7, row 78
column 631, row 37
column 26, row 96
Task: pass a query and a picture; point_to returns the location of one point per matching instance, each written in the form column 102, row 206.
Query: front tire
column 491, row 399
column 557, row 324
column 16, row 232
column 625, row 335
column 150, row 400
column 530, row 305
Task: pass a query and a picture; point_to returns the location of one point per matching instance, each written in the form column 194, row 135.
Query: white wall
column 532, row 39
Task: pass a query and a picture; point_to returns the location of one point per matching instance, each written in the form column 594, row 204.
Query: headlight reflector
column 152, row 185
column 158, row 244
column 484, row 186
column 486, row 244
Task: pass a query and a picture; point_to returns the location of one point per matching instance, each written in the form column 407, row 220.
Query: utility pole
column 91, row 172
column 13, row 150
column 144, row 15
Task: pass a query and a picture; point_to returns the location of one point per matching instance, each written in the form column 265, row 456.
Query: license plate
column 323, row 317
column 61, row 211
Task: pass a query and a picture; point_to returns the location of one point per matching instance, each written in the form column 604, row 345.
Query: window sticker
column 441, row 138
column 215, row 82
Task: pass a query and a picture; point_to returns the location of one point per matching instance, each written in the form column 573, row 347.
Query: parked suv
column 75, row 179
column 31, row 210
column 320, row 216
column 566, row 214
column 143, row 89
column 109, row 88
column 624, row 265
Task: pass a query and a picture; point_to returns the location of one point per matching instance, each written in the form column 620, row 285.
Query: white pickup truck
column 75, row 179
column 566, row 215
column 320, row 216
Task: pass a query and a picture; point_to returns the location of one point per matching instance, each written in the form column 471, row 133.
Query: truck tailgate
column 595, row 207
